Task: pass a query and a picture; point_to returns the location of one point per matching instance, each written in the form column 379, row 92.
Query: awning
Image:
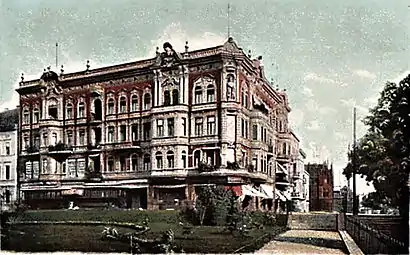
column 268, row 190
column 279, row 195
column 250, row 191
column 169, row 186
column 237, row 190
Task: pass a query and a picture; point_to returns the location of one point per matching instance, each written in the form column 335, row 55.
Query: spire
column 229, row 20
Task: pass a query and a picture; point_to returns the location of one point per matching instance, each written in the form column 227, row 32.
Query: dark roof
column 9, row 120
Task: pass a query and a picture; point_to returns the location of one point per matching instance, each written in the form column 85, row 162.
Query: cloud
column 365, row 74
column 401, row 76
column 307, row 92
column 351, row 103
column 177, row 36
column 314, row 125
column 318, row 78
column 296, row 117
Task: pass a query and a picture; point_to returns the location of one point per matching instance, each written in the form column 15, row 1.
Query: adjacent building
column 320, row 187
column 8, row 158
column 300, row 184
column 145, row 134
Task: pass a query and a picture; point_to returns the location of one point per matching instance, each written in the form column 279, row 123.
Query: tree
column 373, row 200
column 383, row 154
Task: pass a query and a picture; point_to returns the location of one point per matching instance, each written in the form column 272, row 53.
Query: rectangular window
column 171, row 127
column 184, row 161
column 7, row 149
column 134, row 130
column 7, row 172
column 211, row 125
column 26, row 118
column 160, row 128
column 45, row 139
column 82, row 136
column 246, row 129
column 37, row 141
column 123, row 133
column 184, row 125
column 69, row 113
column 198, row 126
column 110, row 134
column 255, row 132
column 70, row 138
column 147, row 131
column 262, row 134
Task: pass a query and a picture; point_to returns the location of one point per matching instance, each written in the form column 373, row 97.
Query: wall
column 314, row 221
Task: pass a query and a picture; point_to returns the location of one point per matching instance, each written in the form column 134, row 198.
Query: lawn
column 85, row 238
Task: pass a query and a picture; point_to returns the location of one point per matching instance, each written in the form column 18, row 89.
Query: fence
column 372, row 241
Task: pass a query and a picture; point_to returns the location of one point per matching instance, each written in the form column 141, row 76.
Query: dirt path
column 305, row 242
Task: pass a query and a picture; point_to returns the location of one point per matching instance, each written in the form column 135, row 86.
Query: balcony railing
column 32, row 149
column 59, row 147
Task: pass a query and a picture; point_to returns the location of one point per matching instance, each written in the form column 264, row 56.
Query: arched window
column 26, row 142
column 197, row 157
column 111, row 106
column 147, row 101
column 170, row 159
column 134, row 103
column 26, row 116
column 246, row 99
column 183, row 158
column 81, row 110
column 69, row 111
column 123, row 104
column 175, row 97
column 198, row 95
column 110, row 164
column 97, row 109
column 158, row 158
column 147, row 162
column 167, row 97
column 36, row 115
column 134, row 162
column 210, row 93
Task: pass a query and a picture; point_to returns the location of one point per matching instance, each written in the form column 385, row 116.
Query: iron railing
column 373, row 241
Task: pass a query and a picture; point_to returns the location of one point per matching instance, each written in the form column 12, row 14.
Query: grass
column 84, row 238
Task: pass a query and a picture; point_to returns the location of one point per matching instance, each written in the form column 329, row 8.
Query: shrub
column 213, row 206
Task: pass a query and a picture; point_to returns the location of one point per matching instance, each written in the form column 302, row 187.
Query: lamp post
column 354, row 163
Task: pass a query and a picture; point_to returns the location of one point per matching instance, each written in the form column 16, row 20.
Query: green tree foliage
column 373, row 200
column 214, row 206
column 383, row 154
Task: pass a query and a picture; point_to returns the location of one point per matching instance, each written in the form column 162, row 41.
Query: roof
column 9, row 120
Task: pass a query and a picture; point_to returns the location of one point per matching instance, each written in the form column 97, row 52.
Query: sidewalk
column 305, row 242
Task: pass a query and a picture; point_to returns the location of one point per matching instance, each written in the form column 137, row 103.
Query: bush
column 214, row 206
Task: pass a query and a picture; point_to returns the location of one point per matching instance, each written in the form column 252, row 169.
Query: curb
column 350, row 243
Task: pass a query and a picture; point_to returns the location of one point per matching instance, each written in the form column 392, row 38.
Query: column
column 150, row 198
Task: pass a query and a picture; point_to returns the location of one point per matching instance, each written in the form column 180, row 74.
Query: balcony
column 122, row 146
column 32, row 149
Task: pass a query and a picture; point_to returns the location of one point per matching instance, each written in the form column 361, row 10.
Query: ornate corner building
column 145, row 134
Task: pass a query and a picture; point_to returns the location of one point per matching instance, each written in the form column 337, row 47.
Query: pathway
column 305, row 242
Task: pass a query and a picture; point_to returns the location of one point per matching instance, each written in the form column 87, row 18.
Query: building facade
column 320, row 187
column 145, row 134
column 8, row 158
column 300, row 184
